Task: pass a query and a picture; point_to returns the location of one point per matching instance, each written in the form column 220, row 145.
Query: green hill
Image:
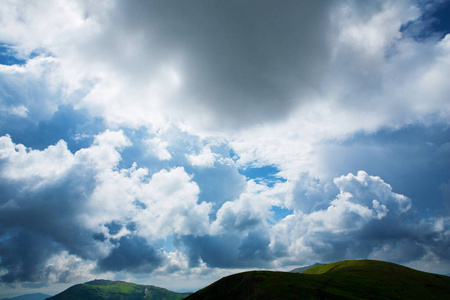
column 355, row 279
column 117, row 290
column 302, row 269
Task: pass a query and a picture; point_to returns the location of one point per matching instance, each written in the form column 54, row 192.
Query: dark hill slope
column 357, row 279
column 117, row 290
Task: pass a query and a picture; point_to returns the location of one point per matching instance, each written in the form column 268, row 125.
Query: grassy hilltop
column 117, row 290
column 353, row 279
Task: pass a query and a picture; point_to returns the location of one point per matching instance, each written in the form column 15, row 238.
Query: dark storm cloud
column 37, row 223
column 393, row 238
column 133, row 254
column 243, row 61
column 227, row 250
column 23, row 255
column 41, row 217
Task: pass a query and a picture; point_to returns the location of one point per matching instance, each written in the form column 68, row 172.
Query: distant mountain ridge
column 100, row 289
column 35, row 296
column 354, row 279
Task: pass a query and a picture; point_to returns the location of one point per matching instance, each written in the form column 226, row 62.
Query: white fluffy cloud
column 171, row 206
column 365, row 204
column 204, row 159
column 20, row 163
column 100, row 200
column 158, row 148
column 63, row 267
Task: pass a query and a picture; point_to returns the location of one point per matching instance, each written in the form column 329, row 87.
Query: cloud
column 32, row 90
column 18, row 111
column 128, row 128
column 250, row 211
column 22, row 259
column 233, row 73
column 204, row 159
column 132, row 254
column 401, row 157
column 366, row 189
column 67, row 268
column 172, row 207
column 188, row 68
column 227, row 250
column 55, row 201
column 22, row 163
column 184, row 73
column 43, row 195
column 100, row 217
column 366, row 219
column 363, row 91
column 158, row 148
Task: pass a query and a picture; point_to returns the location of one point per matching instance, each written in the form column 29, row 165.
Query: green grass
column 302, row 269
column 117, row 290
column 357, row 279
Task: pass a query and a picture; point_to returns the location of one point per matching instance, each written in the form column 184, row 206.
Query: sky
column 175, row 142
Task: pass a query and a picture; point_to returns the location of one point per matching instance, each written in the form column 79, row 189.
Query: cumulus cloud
column 204, row 159
column 366, row 219
column 56, row 201
column 18, row 111
column 171, row 194
column 22, row 163
column 44, row 193
column 65, row 267
column 32, row 90
column 158, row 148
column 118, row 218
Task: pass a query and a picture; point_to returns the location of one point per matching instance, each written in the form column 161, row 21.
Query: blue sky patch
column 168, row 244
column 68, row 124
column 433, row 23
column 400, row 157
column 8, row 56
column 280, row 213
column 266, row 174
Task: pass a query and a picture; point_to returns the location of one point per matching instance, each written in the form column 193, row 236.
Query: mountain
column 37, row 296
column 302, row 269
column 354, row 279
column 117, row 290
